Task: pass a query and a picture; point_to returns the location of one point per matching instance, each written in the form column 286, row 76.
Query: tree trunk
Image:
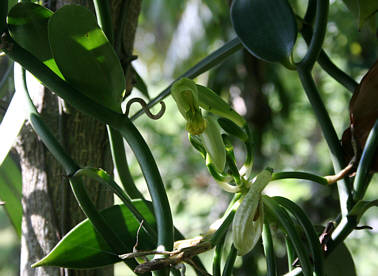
column 49, row 208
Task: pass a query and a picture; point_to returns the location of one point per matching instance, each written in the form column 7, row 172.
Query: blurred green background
column 172, row 36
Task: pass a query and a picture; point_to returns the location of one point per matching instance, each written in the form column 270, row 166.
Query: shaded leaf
column 11, row 3
column 362, row 9
column 28, row 26
column 363, row 109
column 266, row 28
column 85, row 56
column 10, row 192
column 340, row 262
column 83, row 247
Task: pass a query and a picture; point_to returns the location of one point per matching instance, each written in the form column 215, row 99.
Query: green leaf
column 84, row 248
column 363, row 10
column 11, row 3
column 28, row 27
column 266, row 28
column 10, row 192
column 85, row 56
column 309, row 230
column 340, row 262
column 280, row 215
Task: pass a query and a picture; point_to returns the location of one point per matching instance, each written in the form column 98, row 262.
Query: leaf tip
column 41, row 262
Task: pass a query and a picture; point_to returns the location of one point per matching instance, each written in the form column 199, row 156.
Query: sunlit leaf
column 85, row 56
column 266, row 28
column 340, row 262
column 83, row 247
column 10, row 192
column 12, row 122
column 28, row 26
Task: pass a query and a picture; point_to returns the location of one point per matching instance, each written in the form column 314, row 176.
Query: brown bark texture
column 49, row 207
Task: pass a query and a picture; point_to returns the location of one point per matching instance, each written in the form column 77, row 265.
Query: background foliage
column 174, row 35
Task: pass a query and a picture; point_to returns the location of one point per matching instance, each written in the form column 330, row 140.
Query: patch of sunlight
column 91, row 40
column 8, row 237
column 293, row 189
column 355, row 48
column 120, row 269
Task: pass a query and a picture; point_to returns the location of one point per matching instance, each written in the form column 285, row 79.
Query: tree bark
column 49, row 208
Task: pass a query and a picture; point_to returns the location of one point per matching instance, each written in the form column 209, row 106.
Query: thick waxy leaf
column 340, row 262
column 363, row 109
column 28, row 26
column 10, row 192
column 83, row 247
column 266, row 28
column 85, row 56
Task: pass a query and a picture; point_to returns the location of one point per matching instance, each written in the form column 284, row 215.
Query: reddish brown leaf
column 363, row 109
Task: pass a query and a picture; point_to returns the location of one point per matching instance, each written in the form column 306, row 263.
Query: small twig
column 340, row 175
column 145, row 108
column 2, row 202
column 137, row 237
column 326, row 235
column 175, row 257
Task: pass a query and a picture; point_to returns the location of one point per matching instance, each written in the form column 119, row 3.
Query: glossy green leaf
column 83, row 247
column 266, row 28
column 309, row 231
column 280, row 215
column 10, row 192
column 85, row 56
column 28, row 27
column 340, row 262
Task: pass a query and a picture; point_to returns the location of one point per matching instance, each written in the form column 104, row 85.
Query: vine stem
column 205, row 64
column 300, row 175
column 304, row 71
column 329, row 135
column 363, row 175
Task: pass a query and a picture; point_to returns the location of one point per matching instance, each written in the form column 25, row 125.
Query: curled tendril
column 145, row 108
